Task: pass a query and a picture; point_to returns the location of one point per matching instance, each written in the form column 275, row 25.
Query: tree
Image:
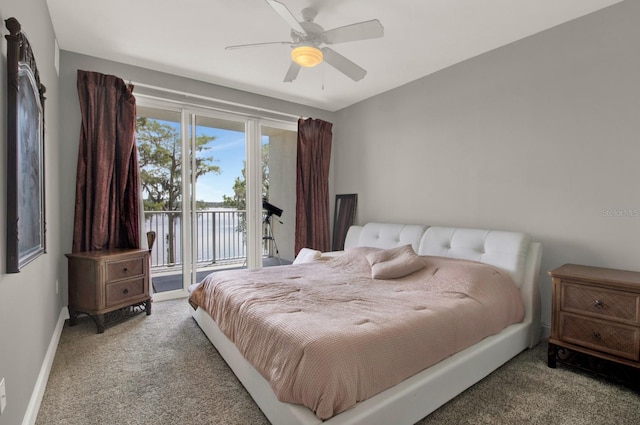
column 239, row 199
column 160, row 159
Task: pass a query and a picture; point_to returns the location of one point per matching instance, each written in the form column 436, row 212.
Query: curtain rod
column 211, row 99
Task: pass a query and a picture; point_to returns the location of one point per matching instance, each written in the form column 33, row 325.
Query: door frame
column 253, row 150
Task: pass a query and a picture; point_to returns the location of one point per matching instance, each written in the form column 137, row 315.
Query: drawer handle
column 125, row 270
column 598, row 304
column 597, row 335
column 126, row 291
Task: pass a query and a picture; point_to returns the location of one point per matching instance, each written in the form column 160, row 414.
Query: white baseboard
column 170, row 295
column 43, row 377
column 546, row 331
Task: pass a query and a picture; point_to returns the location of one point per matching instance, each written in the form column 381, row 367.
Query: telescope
column 271, row 209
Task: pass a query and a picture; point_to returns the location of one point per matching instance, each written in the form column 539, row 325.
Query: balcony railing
column 218, row 237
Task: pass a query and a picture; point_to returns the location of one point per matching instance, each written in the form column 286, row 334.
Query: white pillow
column 394, row 263
column 307, row 255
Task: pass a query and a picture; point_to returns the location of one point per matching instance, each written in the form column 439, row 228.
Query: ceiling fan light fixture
column 307, row 56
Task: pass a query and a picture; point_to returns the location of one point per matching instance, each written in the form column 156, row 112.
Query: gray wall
column 282, row 189
column 29, row 304
column 539, row 136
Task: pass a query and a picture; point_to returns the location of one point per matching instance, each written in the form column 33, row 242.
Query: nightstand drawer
column 124, row 291
column 601, row 302
column 617, row 339
column 126, row 268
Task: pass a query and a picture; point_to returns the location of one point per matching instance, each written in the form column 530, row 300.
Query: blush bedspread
column 326, row 335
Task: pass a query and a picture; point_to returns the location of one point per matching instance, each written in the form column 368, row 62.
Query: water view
column 219, row 236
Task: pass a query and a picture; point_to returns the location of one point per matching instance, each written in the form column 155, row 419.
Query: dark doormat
column 174, row 282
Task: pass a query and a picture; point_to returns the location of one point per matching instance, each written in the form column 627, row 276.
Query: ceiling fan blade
column 343, row 64
column 354, row 32
column 292, row 73
column 241, row 46
column 285, row 14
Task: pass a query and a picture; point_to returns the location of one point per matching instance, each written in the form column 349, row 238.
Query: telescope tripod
column 268, row 235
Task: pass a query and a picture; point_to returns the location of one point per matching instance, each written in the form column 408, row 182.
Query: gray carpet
column 161, row 369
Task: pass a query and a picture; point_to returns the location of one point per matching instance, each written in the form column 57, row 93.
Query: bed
column 406, row 402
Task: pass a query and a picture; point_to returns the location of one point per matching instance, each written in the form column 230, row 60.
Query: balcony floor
column 163, row 280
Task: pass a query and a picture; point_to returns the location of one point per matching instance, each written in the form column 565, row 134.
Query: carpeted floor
column 161, row 369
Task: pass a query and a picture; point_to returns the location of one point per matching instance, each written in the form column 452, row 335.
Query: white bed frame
column 418, row 396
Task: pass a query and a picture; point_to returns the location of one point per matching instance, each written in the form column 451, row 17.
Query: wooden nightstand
column 104, row 281
column 595, row 312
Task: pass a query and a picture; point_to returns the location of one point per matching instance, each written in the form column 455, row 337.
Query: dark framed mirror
column 25, row 152
column 344, row 217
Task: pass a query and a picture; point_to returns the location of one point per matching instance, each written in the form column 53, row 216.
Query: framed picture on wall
column 25, row 152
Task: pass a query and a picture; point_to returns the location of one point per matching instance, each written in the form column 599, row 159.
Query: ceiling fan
column 307, row 37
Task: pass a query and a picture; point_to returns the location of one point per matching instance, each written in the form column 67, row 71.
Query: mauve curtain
column 107, row 196
column 312, row 185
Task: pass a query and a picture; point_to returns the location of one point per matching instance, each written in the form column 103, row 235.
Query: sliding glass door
column 206, row 177
column 219, row 197
column 159, row 135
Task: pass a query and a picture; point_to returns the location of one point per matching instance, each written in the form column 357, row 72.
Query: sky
column 229, row 152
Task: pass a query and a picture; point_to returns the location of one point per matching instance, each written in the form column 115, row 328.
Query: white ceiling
column 188, row 38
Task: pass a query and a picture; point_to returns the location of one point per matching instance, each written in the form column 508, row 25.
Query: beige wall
column 540, row 136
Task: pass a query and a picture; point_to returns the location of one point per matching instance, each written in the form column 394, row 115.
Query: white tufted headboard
column 512, row 252
column 386, row 235
column 505, row 250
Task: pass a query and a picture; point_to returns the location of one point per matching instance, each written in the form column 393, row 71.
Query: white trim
column 253, row 171
column 193, row 196
column 43, row 377
column 56, row 56
column 546, row 331
column 169, row 295
column 187, row 127
column 211, row 103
